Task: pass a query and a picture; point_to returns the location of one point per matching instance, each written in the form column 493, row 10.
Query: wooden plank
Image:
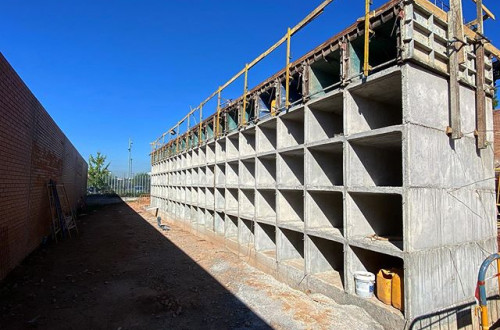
column 480, row 98
column 486, row 10
column 455, row 27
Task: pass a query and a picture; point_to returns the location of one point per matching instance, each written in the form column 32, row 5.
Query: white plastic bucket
column 365, row 282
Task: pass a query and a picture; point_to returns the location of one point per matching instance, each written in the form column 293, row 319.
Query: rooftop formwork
column 354, row 172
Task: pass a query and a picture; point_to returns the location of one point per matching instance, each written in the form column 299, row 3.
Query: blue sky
column 111, row 70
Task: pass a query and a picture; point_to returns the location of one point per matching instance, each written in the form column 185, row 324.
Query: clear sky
column 111, row 70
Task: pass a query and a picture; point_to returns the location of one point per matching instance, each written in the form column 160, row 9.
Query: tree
column 495, row 98
column 98, row 172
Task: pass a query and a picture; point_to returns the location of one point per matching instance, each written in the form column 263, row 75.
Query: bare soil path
column 123, row 272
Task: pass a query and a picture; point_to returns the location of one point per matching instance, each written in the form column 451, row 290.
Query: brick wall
column 33, row 149
column 496, row 141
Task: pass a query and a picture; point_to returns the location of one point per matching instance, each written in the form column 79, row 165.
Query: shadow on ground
column 120, row 273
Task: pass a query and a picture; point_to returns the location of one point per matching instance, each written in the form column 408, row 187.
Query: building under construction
column 372, row 151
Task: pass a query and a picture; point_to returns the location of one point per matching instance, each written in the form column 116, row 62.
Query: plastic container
column 365, row 282
column 384, row 286
column 397, row 290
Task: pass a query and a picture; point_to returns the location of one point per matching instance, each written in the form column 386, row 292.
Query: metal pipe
column 287, row 78
column 217, row 132
column 245, row 90
column 481, row 290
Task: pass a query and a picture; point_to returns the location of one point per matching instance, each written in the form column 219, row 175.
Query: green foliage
column 141, row 177
column 495, row 98
column 98, row 172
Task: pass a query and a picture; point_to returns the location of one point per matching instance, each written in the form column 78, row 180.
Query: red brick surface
column 496, row 130
column 33, row 149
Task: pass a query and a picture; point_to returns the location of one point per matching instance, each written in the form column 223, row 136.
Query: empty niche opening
column 232, row 201
column 291, row 207
column 325, row 260
column 209, row 220
column 219, row 221
column 265, row 239
column 188, row 195
column 201, row 216
column 209, row 197
column 295, row 90
column 324, row 74
column 232, row 173
column 219, row 198
column 231, row 230
column 193, row 214
column 373, row 262
column 377, row 161
column 325, row 212
column 383, row 49
column 247, row 172
column 210, row 152
column 194, row 157
column 291, row 171
column 326, row 165
column 246, row 203
column 291, row 247
column 195, row 180
column 266, row 136
column 209, row 128
column 210, row 175
column 220, row 174
column 247, row 142
column 266, row 171
column 377, row 218
column 246, row 232
column 264, row 101
column 291, row 128
column 376, row 104
column 221, row 149
column 232, row 146
column 201, row 156
column 202, row 175
column 201, row 196
column 186, row 212
column 266, row 205
column 326, row 118
column 194, row 196
column 249, row 113
column 232, row 119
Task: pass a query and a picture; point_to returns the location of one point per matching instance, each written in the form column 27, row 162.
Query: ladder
column 62, row 215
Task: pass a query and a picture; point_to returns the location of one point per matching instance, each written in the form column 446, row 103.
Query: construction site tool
column 62, row 215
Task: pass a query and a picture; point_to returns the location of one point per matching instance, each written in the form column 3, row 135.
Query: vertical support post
column 454, row 29
column 177, row 139
column 199, row 128
column 366, row 65
column 480, row 94
column 245, row 89
column 287, row 78
column 217, row 128
column 479, row 13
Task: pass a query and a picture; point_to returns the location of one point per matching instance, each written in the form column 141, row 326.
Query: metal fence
column 137, row 186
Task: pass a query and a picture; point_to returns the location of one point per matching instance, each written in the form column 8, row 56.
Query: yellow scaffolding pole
column 287, row 78
column 312, row 15
column 245, row 91
column 217, row 128
column 366, row 63
column 201, row 120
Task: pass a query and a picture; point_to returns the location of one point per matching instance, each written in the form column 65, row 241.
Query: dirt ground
column 123, row 272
